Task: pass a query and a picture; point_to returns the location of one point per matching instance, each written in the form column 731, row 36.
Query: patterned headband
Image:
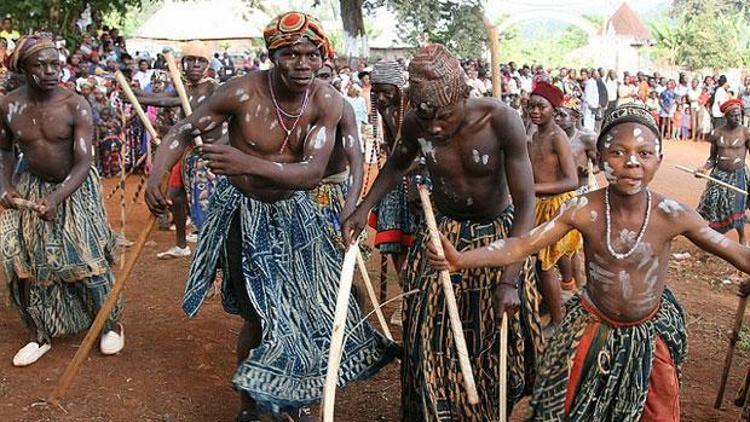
column 629, row 113
column 388, row 72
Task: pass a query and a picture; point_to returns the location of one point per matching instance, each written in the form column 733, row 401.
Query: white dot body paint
column 469, row 201
column 84, row 112
column 639, row 139
column 670, row 206
column 247, row 117
column 350, row 141
column 715, row 237
column 273, row 125
column 280, row 166
column 210, row 126
column 244, row 98
column 721, row 157
column 35, row 78
column 498, row 244
column 485, row 159
column 427, row 148
column 737, row 160
column 327, row 96
column 734, row 143
column 320, row 138
column 82, row 144
column 475, row 156
column 594, row 216
column 33, row 120
column 637, row 131
column 628, row 237
column 627, row 288
column 257, row 111
column 201, row 98
column 174, row 144
column 203, row 120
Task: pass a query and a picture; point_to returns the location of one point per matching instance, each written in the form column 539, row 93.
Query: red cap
column 550, row 92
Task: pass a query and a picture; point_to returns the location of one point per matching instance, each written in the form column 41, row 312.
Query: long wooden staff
column 707, row 177
column 174, row 73
column 373, row 296
column 88, row 342
column 137, row 106
column 450, row 300
column 25, row 204
column 337, row 335
column 730, row 351
column 592, row 177
column 503, row 379
column 494, row 40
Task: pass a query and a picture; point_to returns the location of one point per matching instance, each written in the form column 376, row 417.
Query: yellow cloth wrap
column 546, row 210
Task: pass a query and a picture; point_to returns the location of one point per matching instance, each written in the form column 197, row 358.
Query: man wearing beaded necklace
column 475, row 150
column 617, row 354
column 280, row 267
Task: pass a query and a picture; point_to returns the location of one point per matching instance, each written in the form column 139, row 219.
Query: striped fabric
column 432, row 386
column 615, row 387
column 291, row 274
column 59, row 272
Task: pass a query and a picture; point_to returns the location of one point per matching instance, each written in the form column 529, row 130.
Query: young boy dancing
column 618, row 352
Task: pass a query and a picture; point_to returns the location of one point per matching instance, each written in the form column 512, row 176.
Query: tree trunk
column 355, row 37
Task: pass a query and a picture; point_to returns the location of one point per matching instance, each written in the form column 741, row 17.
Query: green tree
column 454, row 23
column 58, row 16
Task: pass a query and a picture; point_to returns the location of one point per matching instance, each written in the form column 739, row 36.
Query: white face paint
column 671, row 206
column 737, row 160
column 637, row 132
column 609, row 173
column 427, row 148
column 257, row 111
column 608, row 140
column 632, row 160
column 639, row 139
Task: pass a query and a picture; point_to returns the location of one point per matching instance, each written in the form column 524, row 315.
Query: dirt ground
column 173, row 369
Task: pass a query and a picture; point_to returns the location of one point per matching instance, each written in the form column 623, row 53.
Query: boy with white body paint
column 724, row 208
column 57, row 256
column 617, row 354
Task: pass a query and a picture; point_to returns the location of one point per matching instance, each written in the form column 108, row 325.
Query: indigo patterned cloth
column 199, row 183
column 59, row 272
column 291, row 270
column 723, row 208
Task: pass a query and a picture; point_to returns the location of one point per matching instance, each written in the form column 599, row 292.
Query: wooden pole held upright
column 450, row 301
column 730, row 351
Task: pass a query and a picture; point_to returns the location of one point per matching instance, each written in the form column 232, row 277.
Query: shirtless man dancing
column 617, row 354
column 476, row 153
column 57, row 256
column 724, row 208
column 280, row 267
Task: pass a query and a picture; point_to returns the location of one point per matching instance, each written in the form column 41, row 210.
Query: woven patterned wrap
column 388, row 72
column 26, row 46
column 287, row 29
column 436, row 78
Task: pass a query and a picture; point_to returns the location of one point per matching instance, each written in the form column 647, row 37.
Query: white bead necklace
column 608, row 219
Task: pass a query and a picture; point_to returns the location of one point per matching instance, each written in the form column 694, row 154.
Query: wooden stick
column 176, row 76
column 137, row 106
column 707, row 177
column 503, row 369
column 96, row 327
column 450, row 301
column 337, row 334
column 383, row 276
column 592, row 177
column 373, row 297
column 730, row 351
column 494, row 40
column 22, row 203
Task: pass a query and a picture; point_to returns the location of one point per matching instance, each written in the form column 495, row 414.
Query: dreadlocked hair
column 628, row 113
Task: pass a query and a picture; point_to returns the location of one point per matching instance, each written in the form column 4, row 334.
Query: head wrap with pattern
column 436, row 78
column 288, row 28
column 26, row 46
column 388, row 72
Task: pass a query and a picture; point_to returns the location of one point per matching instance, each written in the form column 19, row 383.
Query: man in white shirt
column 590, row 100
column 720, row 97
